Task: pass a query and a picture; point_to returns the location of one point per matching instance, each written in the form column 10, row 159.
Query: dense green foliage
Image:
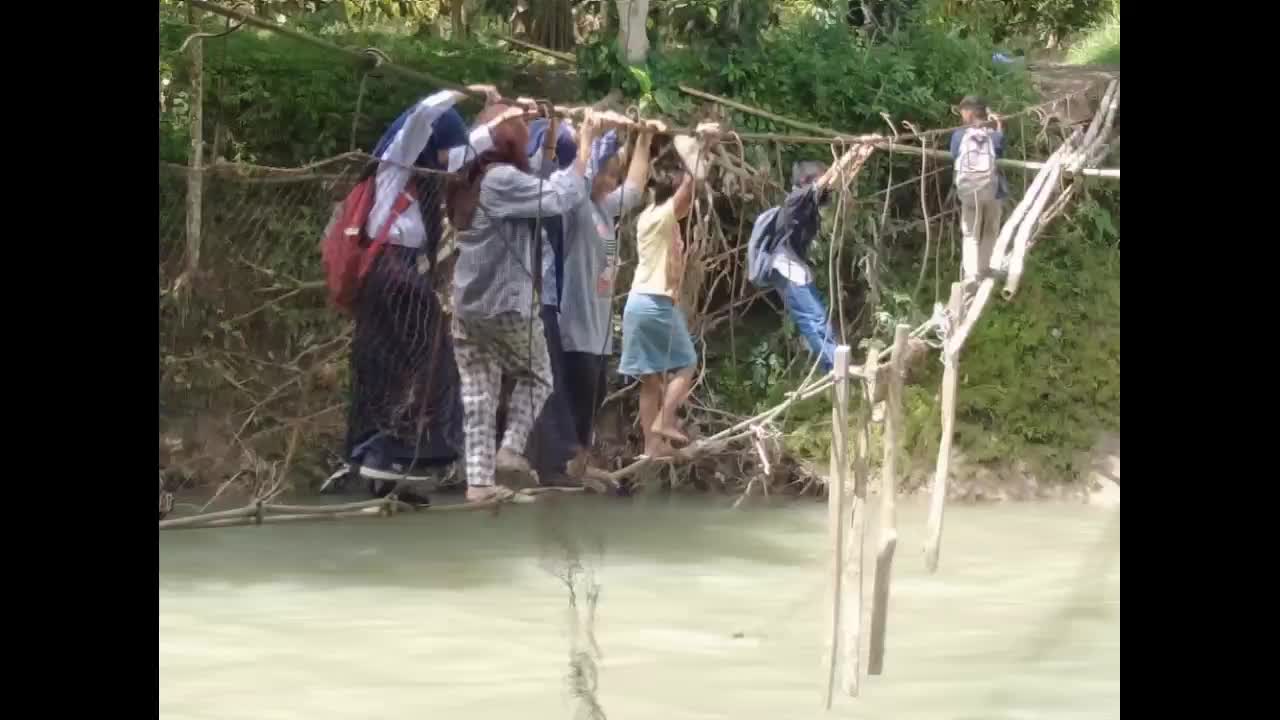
column 284, row 102
column 817, row 70
column 1018, row 21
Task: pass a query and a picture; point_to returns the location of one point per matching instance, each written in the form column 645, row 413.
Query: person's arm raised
column 682, row 201
column 587, row 134
column 638, row 172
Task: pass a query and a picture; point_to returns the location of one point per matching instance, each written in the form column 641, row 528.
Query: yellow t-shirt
column 657, row 232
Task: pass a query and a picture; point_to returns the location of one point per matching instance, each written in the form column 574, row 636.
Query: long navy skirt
column 406, row 402
column 553, row 441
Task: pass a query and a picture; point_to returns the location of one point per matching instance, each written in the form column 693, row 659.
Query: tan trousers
column 979, row 226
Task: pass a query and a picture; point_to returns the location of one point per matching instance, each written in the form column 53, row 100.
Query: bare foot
column 658, row 450
column 672, row 433
column 577, row 466
column 484, row 493
column 514, row 469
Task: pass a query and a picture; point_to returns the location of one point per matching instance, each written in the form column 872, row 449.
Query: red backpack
column 347, row 251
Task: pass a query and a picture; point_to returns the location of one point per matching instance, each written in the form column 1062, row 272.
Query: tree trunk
column 521, row 21
column 869, row 19
column 553, row 24
column 733, row 19
column 632, row 35
column 457, row 20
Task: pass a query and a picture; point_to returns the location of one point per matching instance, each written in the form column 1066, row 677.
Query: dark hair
column 977, row 104
column 509, row 142
column 665, row 182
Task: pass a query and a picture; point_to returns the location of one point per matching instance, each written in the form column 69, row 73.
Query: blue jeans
column 807, row 310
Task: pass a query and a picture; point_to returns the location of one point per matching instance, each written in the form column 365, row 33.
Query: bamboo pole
column 897, row 147
column 195, row 162
column 856, row 540
column 376, row 504
column 561, row 56
column 1028, row 165
column 836, row 490
column 372, row 512
column 798, row 124
column 888, row 501
column 1104, row 109
column 361, row 58
column 256, row 513
column 200, row 520
column 878, row 141
column 1017, row 256
column 950, row 376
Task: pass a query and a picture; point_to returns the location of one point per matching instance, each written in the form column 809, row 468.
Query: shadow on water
column 460, row 550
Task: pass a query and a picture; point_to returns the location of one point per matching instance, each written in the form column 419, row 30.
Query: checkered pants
column 486, row 349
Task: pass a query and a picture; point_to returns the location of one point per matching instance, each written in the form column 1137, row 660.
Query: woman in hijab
column 591, row 262
column 577, row 317
column 405, row 417
column 551, row 442
column 496, row 324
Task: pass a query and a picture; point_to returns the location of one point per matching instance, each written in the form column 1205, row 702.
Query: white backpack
column 976, row 166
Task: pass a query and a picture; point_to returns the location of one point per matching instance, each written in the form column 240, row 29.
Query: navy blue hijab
column 447, row 132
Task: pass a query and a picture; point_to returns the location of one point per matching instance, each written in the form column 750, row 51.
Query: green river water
column 704, row 612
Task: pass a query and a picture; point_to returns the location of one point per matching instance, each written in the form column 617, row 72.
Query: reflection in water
column 563, row 558
column 702, row 612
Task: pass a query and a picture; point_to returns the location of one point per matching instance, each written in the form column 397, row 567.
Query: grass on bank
column 1101, row 45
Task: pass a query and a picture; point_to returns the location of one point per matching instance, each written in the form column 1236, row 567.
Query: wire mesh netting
column 254, row 362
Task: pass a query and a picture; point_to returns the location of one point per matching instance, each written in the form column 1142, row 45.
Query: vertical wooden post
column 950, row 375
column 855, row 541
column 836, row 489
column 888, row 500
column 195, row 163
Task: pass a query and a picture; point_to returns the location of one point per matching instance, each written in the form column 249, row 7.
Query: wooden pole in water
column 195, row 163
column 835, row 509
column 950, row 375
column 856, row 540
column 888, row 501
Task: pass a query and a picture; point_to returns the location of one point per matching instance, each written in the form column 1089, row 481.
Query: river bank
column 968, row 484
